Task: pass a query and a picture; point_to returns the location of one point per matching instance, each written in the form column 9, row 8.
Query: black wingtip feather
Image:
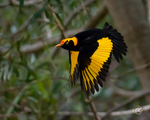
column 119, row 46
column 92, row 87
column 102, row 76
column 96, row 85
column 99, row 81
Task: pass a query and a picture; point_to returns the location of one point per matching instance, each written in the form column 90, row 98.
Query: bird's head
column 68, row 43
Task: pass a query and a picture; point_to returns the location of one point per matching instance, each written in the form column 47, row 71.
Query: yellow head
column 67, row 41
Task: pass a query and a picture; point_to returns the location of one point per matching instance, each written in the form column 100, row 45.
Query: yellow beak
column 59, row 45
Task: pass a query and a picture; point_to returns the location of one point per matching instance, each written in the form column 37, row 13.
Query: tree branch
column 93, row 108
column 117, row 113
column 126, row 102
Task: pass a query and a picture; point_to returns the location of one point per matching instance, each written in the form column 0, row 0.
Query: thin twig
column 58, row 23
column 93, row 108
column 126, row 102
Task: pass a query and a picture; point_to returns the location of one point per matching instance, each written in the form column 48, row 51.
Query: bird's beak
column 59, row 45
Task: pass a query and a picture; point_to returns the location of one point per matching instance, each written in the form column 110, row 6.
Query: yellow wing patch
column 99, row 57
column 74, row 62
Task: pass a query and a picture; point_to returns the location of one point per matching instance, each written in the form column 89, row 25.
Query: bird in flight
column 90, row 54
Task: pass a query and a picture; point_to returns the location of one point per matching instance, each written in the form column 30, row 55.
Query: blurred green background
column 34, row 76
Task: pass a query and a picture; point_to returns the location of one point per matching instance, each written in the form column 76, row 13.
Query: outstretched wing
column 74, row 66
column 94, row 61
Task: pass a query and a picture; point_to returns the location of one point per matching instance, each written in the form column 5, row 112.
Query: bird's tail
column 119, row 46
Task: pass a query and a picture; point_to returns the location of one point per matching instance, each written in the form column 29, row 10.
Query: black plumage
column 90, row 54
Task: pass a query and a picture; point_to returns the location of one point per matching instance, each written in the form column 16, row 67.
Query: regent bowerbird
column 90, row 53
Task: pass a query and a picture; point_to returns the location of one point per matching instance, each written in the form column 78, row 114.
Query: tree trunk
column 130, row 19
